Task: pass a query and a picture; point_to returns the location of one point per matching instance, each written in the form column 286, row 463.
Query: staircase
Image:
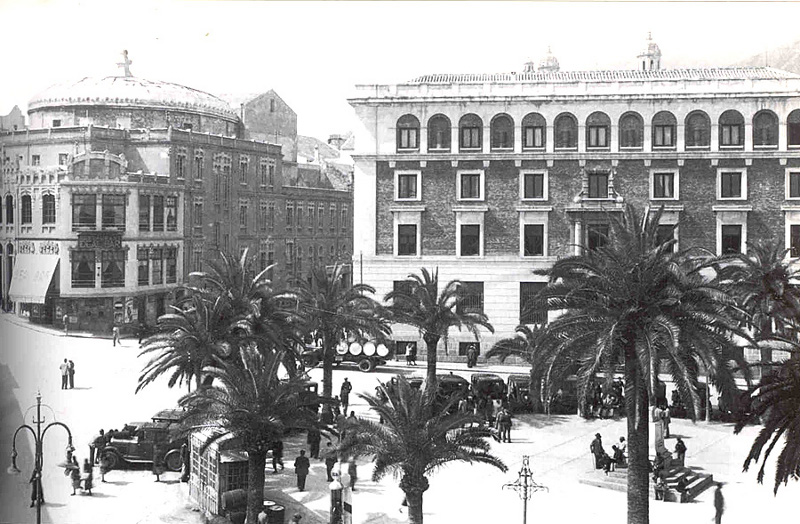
column 618, row 481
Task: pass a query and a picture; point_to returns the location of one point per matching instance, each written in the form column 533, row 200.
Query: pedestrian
column 186, row 463
column 680, row 450
column 344, row 394
column 313, row 439
column 115, row 335
column 65, row 320
column 623, row 446
column 352, row 472
column 37, row 496
column 719, row 504
column 88, row 476
column 619, row 457
column 74, row 475
column 277, row 455
column 64, row 367
column 472, row 356
column 336, row 408
column 665, row 416
column 301, row 466
column 71, row 375
column 412, row 354
column 504, row 425
column 660, row 487
column 601, row 458
column 330, row 459
column 96, row 447
column 158, row 461
column 105, row 467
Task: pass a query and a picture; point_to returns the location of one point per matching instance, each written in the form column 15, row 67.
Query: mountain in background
column 786, row 58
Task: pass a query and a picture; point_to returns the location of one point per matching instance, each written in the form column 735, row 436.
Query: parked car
column 487, row 386
column 367, row 356
column 519, row 393
column 447, row 386
column 134, row 443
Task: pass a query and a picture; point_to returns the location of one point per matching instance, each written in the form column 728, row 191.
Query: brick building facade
column 490, row 177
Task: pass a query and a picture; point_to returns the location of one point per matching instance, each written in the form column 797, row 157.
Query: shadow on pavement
column 537, row 421
column 382, row 518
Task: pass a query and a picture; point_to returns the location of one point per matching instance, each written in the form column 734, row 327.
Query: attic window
column 271, row 105
column 57, row 123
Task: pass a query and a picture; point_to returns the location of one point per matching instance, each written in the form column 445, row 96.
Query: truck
column 367, row 355
column 135, row 443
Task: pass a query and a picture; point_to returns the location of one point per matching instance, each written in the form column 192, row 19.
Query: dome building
column 122, row 186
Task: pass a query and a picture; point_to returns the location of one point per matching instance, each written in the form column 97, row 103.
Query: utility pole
column 525, row 486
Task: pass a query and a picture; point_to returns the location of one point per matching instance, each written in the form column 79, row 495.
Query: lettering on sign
column 48, row 248
column 26, row 248
column 100, row 240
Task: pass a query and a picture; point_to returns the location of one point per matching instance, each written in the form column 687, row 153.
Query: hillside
column 786, row 58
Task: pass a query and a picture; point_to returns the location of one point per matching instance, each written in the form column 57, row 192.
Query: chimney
column 336, row 141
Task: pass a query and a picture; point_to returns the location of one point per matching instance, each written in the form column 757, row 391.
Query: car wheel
column 113, row 459
column 366, row 365
column 173, row 460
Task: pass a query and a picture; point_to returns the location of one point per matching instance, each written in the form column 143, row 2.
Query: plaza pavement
column 558, row 447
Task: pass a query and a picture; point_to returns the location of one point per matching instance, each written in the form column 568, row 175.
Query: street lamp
column 38, row 436
column 525, row 486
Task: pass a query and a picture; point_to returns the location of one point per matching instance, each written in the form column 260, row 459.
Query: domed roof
column 549, row 63
column 132, row 92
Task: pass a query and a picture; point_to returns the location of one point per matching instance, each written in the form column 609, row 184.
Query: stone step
column 618, row 481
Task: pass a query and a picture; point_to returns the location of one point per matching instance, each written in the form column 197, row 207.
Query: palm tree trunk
column 327, row 366
column 431, row 343
column 414, row 487
column 256, row 460
column 638, row 436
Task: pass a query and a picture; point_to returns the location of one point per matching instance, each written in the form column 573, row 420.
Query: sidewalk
column 50, row 330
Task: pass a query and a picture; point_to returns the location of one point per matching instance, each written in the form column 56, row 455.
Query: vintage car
column 519, row 393
column 487, row 386
column 447, row 386
column 134, row 444
column 367, row 355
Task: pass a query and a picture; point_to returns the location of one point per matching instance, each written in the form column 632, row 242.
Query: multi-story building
column 491, row 176
column 121, row 187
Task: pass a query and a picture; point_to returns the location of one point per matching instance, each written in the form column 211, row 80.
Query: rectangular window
column 321, row 217
column 114, row 212
column 731, row 239
column 289, row 253
column 84, row 212
column 158, row 213
column 470, row 240
column 533, row 186
column 36, row 160
column 663, row 136
column 144, row 212
column 406, row 240
column 263, row 217
column 143, row 258
column 217, row 229
column 471, row 137
column 198, row 213
column 470, row 186
column 271, row 175
column 244, row 165
column 83, row 267
column 794, row 239
column 473, row 298
column 172, row 213
column 345, row 221
column 263, row 172
column 598, row 136
column 271, row 217
column 243, row 217
column 57, row 122
column 533, row 137
column 198, row 164
column 172, row 265
column 299, row 215
column 731, row 135
column 596, row 236
column 730, row 184
column 531, row 310
column 312, row 220
column 26, row 213
column 665, row 233
column 408, row 138
column 663, row 185
column 407, row 187
column 48, row 209
column 534, row 240
column 157, row 257
column 217, row 187
column 598, row 185
column 113, row 269
column 794, row 184
column 332, row 218
column 62, row 159
column 289, row 216
column 180, row 164
column 197, row 259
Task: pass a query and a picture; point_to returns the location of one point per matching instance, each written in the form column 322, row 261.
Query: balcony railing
column 82, row 283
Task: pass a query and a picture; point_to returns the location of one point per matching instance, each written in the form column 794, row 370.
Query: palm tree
column 250, row 402
column 776, row 401
column 762, row 280
column 419, row 304
column 333, row 310
column 417, row 437
column 633, row 302
column 523, row 345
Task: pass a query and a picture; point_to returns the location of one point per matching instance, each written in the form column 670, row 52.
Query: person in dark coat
column 71, row 375
column 75, row 475
column 301, row 466
column 105, row 467
column 186, row 463
column 277, row 455
column 680, row 450
column 313, row 439
column 472, row 356
column 719, row 504
column 96, row 447
column 344, row 394
column 330, row 460
column 158, row 461
column 88, row 476
column 601, row 458
column 352, row 472
column 36, row 488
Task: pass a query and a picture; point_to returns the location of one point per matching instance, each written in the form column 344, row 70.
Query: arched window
column 698, row 129
column 408, row 133
column 765, row 129
column 9, row 209
column 793, row 127
column 48, row 209
column 631, row 131
column 470, row 129
column 731, row 129
column 502, row 128
column 664, row 125
column 598, row 128
column 566, row 131
column 27, row 210
column 533, row 131
column 439, row 133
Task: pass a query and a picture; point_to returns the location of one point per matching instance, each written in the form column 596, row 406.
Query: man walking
column 301, row 465
column 680, row 450
column 344, row 394
column 115, row 335
column 71, row 370
column 719, row 504
column 65, row 320
column 330, row 460
column 277, row 455
column 64, row 367
column 313, row 439
column 472, row 356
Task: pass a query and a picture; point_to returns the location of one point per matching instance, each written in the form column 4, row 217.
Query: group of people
column 603, row 460
column 606, row 404
column 302, row 464
column 67, row 369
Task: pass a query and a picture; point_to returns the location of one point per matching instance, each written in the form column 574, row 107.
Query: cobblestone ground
column 558, row 447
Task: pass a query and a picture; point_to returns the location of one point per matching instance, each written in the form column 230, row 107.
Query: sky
column 313, row 53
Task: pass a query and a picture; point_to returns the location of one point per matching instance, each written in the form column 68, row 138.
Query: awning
column 31, row 277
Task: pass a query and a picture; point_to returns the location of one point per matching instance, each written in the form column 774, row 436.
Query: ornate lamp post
column 525, row 486
column 38, row 436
